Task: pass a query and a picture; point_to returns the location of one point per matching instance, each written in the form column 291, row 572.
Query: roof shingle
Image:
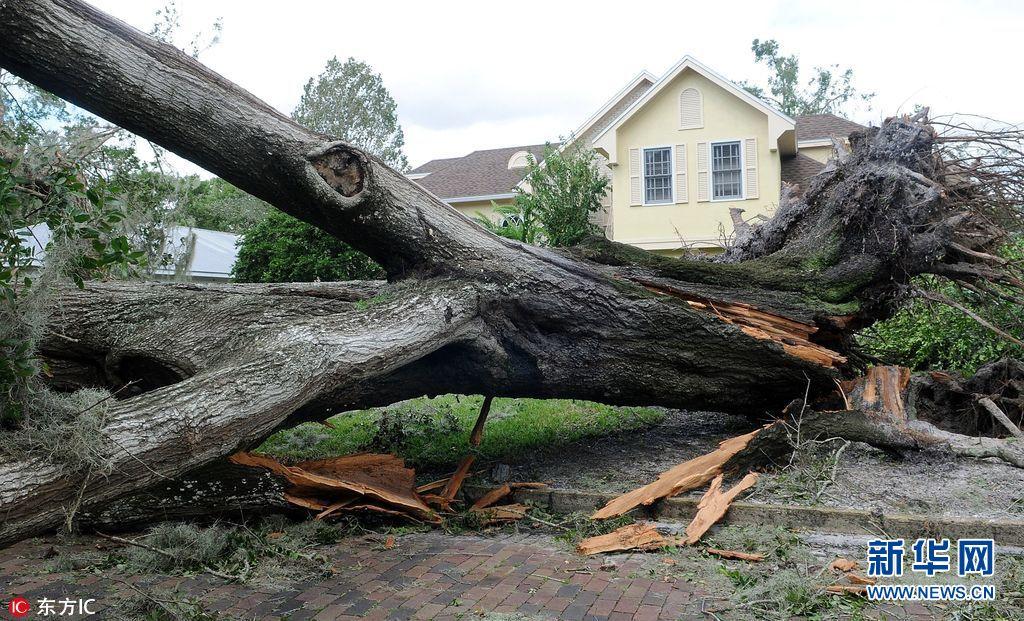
column 822, row 126
column 481, row 173
column 799, row 169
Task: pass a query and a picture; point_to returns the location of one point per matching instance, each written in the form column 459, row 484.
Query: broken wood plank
column 429, row 487
column 377, row 480
column 334, row 508
column 455, row 482
column 684, row 477
column 734, row 554
column 492, row 497
column 306, row 502
column 714, row 504
column 639, row 536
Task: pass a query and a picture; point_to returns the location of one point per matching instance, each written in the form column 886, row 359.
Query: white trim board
column 471, row 199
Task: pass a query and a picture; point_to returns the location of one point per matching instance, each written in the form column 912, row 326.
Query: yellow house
column 681, row 151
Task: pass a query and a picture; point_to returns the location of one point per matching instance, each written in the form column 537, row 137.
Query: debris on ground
column 859, row 579
column 451, row 488
column 844, row 565
column 682, row 478
column 846, row 589
column 372, row 482
column 639, row 536
column 714, row 504
column 501, row 513
column 491, row 497
column 735, row 555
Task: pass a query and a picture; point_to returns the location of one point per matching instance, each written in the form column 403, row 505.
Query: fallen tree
column 215, row 369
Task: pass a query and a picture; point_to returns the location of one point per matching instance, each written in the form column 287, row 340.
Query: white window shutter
column 682, row 196
column 703, row 193
column 750, row 184
column 691, row 109
column 635, row 193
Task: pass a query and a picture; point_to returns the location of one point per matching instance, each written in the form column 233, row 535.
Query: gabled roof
column 823, row 126
column 635, row 89
column 778, row 122
column 480, row 175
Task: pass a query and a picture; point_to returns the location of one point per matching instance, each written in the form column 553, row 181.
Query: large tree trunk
column 218, row 368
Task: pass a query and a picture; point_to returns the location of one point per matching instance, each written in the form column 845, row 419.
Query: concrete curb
column 824, row 519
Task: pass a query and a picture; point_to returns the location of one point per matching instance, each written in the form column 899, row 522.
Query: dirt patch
column 862, row 477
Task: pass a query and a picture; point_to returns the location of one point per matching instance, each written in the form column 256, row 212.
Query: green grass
column 435, row 432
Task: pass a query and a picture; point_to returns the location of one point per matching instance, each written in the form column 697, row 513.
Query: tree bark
column 217, row 368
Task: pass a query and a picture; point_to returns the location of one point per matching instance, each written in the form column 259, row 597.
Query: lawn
column 435, row 432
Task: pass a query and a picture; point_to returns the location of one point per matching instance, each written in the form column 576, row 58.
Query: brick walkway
column 429, row 575
column 425, row 576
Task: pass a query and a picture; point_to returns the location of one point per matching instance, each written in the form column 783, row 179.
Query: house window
column 657, row 175
column 726, row 171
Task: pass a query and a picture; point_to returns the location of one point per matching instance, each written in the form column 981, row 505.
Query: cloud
column 470, row 75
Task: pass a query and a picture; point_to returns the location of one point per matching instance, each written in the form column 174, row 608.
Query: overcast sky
column 476, row 75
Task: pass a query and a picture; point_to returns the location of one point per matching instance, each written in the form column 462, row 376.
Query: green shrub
column 284, row 249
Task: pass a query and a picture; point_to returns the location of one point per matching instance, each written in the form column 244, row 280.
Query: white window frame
column 711, row 171
column 671, row 175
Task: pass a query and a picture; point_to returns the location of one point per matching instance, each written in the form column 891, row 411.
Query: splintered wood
column 793, row 336
column 713, row 506
column 362, row 482
column 735, row 555
column 501, row 513
column 637, row 536
column 492, row 497
column 880, row 389
column 682, row 478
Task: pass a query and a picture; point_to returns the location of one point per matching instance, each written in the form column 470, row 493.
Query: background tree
column 284, row 249
column 349, row 101
column 216, row 204
column 562, row 191
column 828, row 90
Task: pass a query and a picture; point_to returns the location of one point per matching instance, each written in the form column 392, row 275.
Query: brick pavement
column 431, row 575
column 425, row 576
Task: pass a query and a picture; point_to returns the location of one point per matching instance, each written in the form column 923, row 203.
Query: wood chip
column 714, row 505
column 856, row 578
column 438, row 502
column 639, row 536
column 682, row 478
column 492, row 497
column 502, row 513
column 844, row 564
column 528, row 485
column 389, row 542
column 733, row 554
column 847, row 589
column 429, row 487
